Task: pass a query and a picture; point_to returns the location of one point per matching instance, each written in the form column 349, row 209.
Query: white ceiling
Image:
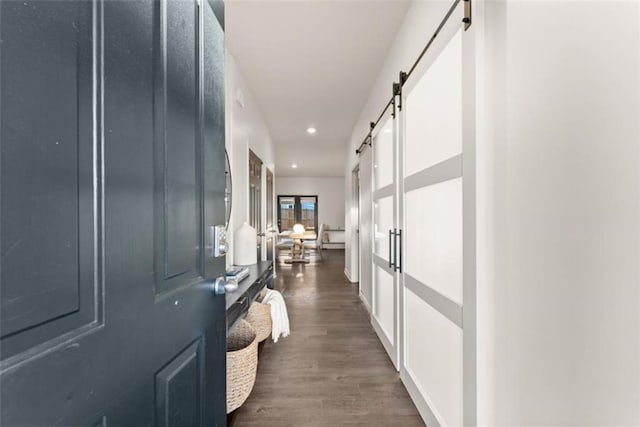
column 311, row 63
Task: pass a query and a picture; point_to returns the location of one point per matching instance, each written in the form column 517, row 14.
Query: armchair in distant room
column 313, row 247
column 284, row 244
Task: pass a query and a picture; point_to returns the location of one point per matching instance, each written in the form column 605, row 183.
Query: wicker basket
column 259, row 316
column 242, row 362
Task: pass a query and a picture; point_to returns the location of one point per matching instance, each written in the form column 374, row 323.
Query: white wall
column 246, row 130
column 558, row 213
column 330, row 192
column 409, row 42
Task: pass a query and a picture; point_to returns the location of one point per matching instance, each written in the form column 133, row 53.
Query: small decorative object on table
column 237, row 273
column 245, row 245
column 234, row 275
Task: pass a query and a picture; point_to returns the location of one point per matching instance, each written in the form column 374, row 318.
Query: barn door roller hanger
column 467, row 14
column 397, row 87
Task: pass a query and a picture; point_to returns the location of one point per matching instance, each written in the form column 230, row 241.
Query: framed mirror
column 227, row 190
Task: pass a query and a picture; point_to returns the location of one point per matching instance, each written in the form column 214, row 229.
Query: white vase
column 245, row 245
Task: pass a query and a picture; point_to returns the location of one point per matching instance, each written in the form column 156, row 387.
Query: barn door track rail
column 403, row 77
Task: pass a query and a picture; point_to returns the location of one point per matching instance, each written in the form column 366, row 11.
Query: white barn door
column 434, row 208
column 385, row 303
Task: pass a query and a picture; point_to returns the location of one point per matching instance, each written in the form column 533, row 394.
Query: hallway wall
column 245, row 130
column 408, row 43
column 330, row 192
column 558, row 214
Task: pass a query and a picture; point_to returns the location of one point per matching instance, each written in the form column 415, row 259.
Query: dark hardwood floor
column 331, row 370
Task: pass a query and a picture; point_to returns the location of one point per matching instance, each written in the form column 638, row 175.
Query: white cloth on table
column 279, row 316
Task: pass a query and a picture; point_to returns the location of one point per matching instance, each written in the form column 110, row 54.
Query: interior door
column 386, row 262
column 433, row 191
column 365, row 176
column 255, row 199
column 112, row 170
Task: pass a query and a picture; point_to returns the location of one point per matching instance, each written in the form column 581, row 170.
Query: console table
column 238, row 301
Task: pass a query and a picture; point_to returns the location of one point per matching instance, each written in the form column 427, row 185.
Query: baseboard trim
column 348, row 276
column 388, row 346
column 427, row 414
column 364, row 302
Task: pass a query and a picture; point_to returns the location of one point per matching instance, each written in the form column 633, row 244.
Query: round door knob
column 218, row 286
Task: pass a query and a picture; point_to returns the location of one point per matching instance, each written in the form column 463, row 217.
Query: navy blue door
column 112, row 172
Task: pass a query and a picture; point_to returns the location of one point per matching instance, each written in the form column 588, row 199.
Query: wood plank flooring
column 331, row 370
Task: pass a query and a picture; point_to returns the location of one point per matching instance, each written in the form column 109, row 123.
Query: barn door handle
column 390, row 237
column 395, row 250
column 398, row 244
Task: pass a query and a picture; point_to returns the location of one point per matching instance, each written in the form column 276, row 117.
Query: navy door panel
column 111, row 172
column 48, row 274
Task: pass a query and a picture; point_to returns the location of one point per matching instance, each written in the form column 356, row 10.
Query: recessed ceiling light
column 294, row 166
column 311, row 131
